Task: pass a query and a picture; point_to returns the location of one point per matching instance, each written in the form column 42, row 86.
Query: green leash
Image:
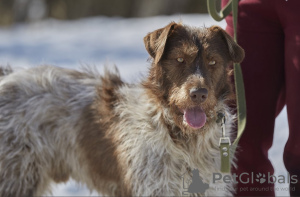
column 225, row 145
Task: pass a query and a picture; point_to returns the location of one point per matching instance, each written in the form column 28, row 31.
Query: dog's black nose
column 199, row 95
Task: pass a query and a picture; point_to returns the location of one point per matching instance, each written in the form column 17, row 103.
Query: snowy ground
column 99, row 41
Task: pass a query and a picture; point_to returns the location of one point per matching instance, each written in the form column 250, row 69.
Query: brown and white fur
column 119, row 139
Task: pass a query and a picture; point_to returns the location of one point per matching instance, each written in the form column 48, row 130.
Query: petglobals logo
column 261, row 178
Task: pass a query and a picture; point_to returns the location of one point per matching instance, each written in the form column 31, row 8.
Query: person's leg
column 292, row 68
column 290, row 17
column 260, row 35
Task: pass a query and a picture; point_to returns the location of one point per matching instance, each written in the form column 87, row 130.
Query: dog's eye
column 180, row 59
column 212, row 62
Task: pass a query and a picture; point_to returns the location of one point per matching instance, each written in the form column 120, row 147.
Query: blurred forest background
column 18, row 11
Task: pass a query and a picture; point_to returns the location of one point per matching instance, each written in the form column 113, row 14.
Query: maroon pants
column 269, row 31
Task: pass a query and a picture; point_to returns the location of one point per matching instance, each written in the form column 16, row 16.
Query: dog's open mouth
column 194, row 117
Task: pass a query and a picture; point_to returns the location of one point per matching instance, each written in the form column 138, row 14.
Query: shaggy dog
column 121, row 139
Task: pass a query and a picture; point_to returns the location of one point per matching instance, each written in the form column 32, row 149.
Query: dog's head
column 189, row 73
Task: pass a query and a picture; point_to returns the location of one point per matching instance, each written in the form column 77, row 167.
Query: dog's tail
column 111, row 82
column 5, row 70
column 108, row 95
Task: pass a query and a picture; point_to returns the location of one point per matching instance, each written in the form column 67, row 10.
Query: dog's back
column 39, row 109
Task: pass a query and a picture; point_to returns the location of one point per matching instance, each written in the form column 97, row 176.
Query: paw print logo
column 261, row 178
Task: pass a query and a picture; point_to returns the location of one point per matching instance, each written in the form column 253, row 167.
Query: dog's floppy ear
column 155, row 41
column 236, row 52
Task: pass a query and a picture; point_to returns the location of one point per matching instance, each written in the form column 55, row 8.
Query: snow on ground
column 99, row 41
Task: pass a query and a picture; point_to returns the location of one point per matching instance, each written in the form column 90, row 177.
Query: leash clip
column 224, row 145
column 223, row 139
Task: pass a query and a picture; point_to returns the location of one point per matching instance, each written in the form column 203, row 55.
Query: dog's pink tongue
column 195, row 117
